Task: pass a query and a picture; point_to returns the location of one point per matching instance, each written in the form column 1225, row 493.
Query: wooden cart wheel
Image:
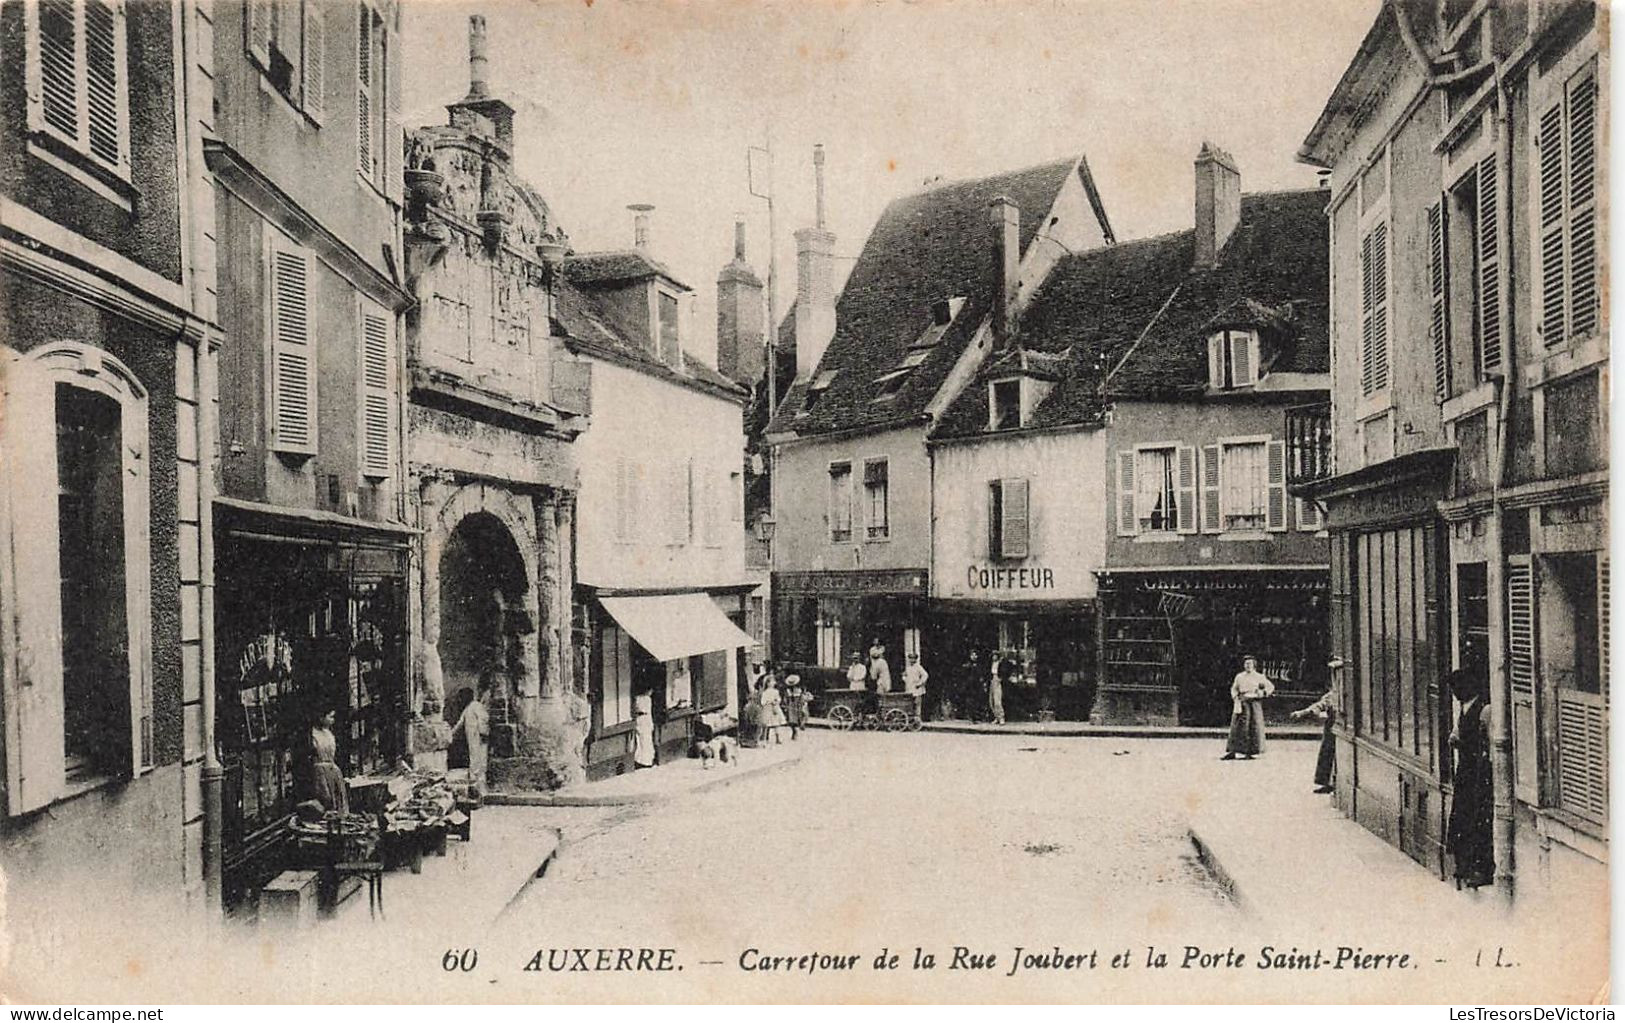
column 841, row 717
column 914, row 723
column 895, row 719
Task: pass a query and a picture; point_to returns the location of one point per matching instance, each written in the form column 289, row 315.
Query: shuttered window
column 1374, row 309
column 1489, row 269
column 1186, row 505
column 877, row 499
column 313, row 86
column 377, row 391
column 840, row 502
column 1211, row 520
column 1275, row 487
column 293, row 350
column 1127, row 517
column 1438, row 302
column 365, row 105
column 1566, row 169
column 1008, row 519
column 1310, row 520
column 78, row 77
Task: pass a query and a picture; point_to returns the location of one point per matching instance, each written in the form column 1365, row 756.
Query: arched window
column 75, row 566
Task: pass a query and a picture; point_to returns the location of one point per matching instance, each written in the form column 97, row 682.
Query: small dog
column 723, row 749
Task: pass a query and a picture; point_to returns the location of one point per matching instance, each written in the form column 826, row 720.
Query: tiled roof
column 926, row 248
column 1097, row 304
column 592, row 268
column 587, row 326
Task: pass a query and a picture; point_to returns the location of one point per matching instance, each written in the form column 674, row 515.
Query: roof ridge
column 936, row 185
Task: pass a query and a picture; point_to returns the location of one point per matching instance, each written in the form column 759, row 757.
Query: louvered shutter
column 1489, row 269
column 1243, row 367
column 363, row 94
column 1603, row 611
column 314, row 63
column 1211, row 519
column 993, row 505
column 1309, row 518
column 1582, row 204
column 293, row 356
column 1215, row 360
column 1553, row 275
column 1187, row 489
column 59, row 66
column 1374, row 310
column 377, row 392
column 1013, row 522
column 34, row 724
column 1275, row 487
column 105, row 80
column 1438, row 303
column 1520, row 617
column 257, row 17
column 1128, row 522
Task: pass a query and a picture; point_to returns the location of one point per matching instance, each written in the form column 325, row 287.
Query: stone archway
column 484, row 590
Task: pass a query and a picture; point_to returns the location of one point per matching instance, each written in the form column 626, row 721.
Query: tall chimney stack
column 1004, row 218
column 480, row 113
column 640, row 225
column 478, row 62
column 1218, row 202
column 741, row 355
column 815, row 282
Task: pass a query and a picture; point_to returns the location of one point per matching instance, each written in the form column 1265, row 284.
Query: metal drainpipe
column 1501, row 766
column 206, row 375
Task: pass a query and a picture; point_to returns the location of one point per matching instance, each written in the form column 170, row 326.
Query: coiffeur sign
column 999, row 577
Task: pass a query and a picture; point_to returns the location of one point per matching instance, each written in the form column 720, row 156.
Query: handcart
column 846, row 709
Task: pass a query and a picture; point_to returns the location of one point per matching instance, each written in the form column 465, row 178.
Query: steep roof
column 1144, row 305
column 926, row 248
column 588, row 328
column 593, row 268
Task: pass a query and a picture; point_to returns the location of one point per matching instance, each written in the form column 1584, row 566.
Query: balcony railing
column 1308, row 443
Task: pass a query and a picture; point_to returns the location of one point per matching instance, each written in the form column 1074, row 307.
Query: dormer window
column 1232, row 359
column 668, row 336
column 816, row 389
column 1004, row 405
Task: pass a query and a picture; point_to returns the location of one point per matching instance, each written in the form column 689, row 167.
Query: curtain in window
column 1157, row 490
column 1244, row 486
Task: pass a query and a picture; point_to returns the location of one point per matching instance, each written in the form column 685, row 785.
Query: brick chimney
column 640, row 225
column 1004, row 221
column 1218, row 202
column 740, row 316
column 480, row 113
column 815, row 283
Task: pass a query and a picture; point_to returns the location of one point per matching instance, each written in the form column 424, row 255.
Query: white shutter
column 1489, row 269
column 1520, row 604
column 257, row 18
column 1309, row 518
column 1582, row 203
column 1602, row 623
column 1243, row 367
column 105, row 81
column 1438, row 325
column 34, row 726
column 1215, row 360
column 313, row 64
column 1275, row 487
column 1212, row 521
column 1553, row 276
column 1128, row 521
column 1013, row 524
column 293, row 355
column 363, row 94
column 1186, row 502
column 1374, row 310
column 58, row 32
column 377, row 391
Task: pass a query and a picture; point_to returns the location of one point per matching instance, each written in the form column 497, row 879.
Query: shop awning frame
column 671, row 626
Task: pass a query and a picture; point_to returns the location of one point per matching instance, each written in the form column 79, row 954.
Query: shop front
column 673, row 657
column 311, row 617
column 1044, row 650
column 822, row 618
column 1171, row 640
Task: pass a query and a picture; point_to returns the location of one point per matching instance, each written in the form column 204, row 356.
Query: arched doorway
column 483, row 611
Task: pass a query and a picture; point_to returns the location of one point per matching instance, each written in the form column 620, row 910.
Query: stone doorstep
column 687, row 777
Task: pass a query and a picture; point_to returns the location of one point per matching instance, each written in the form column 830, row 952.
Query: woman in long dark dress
column 1472, row 807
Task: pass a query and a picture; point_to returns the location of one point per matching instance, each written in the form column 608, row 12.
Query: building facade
column 1463, row 463
column 107, row 340
column 660, row 565
column 312, row 537
column 490, row 427
column 940, row 276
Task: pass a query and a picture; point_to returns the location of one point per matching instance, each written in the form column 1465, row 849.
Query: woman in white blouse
column 1248, row 691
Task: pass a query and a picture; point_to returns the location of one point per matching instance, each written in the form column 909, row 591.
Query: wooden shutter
column 1374, row 309
column 1438, row 303
column 1309, row 518
column 994, row 505
column 105, row 81
column 1013, row 521
column 1243, row 367
column 363, row 94
column 1275, row 487
column 257, row 18
column 1186, row 501
column 1582, row 204
column 1212, row 522
column 293, row 356
column 313, row 64
column 1553, row 275
column 59, row 66
column 1215, row 360
column 34, row 725
column 1128, row 522
column 1489, row 269
column 377, row 392
column 1520, row 618
column 1602, row 623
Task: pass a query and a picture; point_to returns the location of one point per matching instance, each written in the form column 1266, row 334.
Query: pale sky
column 657, row 101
